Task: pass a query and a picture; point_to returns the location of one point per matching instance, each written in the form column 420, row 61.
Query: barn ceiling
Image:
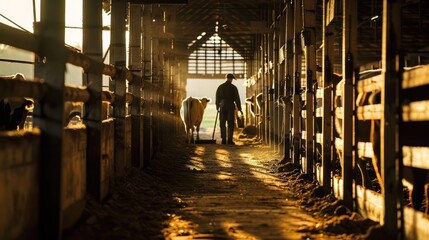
column 240, row 23
column 237, row 22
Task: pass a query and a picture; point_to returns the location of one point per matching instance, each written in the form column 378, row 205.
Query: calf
column 14, row 110
column 192, row 115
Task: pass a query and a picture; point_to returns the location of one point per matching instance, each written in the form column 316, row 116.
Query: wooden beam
column 297, row 57
column 349, row 67
column 118, row 58
column 92, row 78
column 289, row 79
column 135, row 61
column 308, row 37
column 391, row 166
column 48, row 116
column 147, row 78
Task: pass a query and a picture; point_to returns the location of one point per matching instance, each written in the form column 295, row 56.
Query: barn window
column 215, row 57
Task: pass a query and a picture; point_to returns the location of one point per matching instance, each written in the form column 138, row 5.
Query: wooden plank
column 319, row 93
column 415, row 111
column 365, row 150
column 416, row 157
column 19, row 175
column 370, row 84
column 338, row 187
column 415, row 77
column 370, row 112
column 416, row 224
column 26, row 41
column 319, row 138
column 319, row 112
column 369, row 203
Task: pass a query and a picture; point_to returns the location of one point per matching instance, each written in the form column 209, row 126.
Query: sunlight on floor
column 200, row 150
column 223, row 159
column 233, row 230
column 178, row 228
column 197, row 163
column 225, row 176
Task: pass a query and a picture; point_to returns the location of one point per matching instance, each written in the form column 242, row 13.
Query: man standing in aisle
column 227, row 98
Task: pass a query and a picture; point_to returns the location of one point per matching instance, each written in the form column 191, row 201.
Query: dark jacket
column 226, row 95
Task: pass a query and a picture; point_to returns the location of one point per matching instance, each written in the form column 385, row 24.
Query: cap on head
column 230, row 76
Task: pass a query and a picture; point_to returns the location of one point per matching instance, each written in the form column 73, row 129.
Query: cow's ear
column 29, row 104
column 209, row 99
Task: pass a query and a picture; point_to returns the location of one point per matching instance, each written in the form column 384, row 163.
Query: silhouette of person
column 227, row 98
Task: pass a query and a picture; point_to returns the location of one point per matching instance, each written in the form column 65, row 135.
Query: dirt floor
column 213, row 191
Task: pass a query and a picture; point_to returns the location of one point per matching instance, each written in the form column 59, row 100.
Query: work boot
column 230, row 134
column 223, row 141
column 230, row 142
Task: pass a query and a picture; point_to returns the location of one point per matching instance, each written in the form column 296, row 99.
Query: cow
column 14, row 110
column 363, row 132
column 416, row 176
column 192, row 115
column 251, row 101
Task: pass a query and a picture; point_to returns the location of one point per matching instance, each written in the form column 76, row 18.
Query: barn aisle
column 206, row 191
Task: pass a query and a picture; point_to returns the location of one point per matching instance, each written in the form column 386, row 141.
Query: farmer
column 227, row 98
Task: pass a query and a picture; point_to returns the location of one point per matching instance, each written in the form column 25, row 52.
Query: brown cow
column 192, row 115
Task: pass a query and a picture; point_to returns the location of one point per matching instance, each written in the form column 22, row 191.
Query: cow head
column 204, row 101
column 14, row 112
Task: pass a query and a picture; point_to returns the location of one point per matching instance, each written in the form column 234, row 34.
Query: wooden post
column 118, row 58
column 156, row 75
column 289, row 79
column 147, row 78
column 92, row 46
column 349, row 51
column 297, row 82
column 309, row 39
column 48, row 116
column 280, row 92
column 135, row 66
column 391, row 165
column 327, row 127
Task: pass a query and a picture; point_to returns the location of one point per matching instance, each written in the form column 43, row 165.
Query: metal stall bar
column 48, row 115
column 349, row 51
column 308, row 36
column 135, row 66
column 118, row 58
column 391, row 165
column 92, row 47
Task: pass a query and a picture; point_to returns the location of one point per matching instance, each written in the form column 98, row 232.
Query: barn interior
column 336, row 87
